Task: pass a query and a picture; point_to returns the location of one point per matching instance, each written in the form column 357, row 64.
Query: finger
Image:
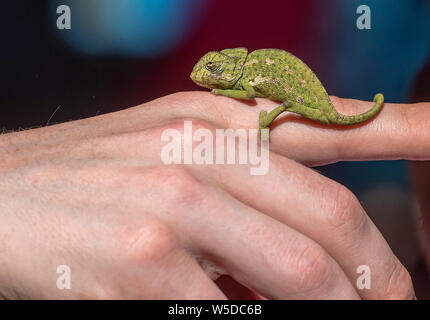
column 420, row 173
column 397, row 132
column 257, row 251
column 178, row 276
column 273, row 259
column 324, row 211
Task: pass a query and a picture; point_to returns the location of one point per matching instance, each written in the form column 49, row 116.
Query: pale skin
column 93, row 194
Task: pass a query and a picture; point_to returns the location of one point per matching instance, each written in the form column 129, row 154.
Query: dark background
column 120, row 54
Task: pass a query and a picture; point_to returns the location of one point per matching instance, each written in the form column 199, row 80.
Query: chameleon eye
column 211, row 66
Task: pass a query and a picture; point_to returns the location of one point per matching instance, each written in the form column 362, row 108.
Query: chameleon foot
column 267, row 118
column 264, row 129
column 262, row 119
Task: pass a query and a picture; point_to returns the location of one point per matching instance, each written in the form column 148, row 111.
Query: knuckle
column 201, row 124
column 407, row 118
column 311, row 267
column 399, row 284
column 180, row 186
column 180, row 96
column 183, row 127
column 98, row 291
column 147, row 244
column 413, row 126
column 343, row 210
column 178, row 124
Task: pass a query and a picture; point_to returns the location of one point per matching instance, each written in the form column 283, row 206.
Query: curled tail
column 337, row 118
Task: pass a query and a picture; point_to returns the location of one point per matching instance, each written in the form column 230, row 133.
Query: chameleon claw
column 215, row 92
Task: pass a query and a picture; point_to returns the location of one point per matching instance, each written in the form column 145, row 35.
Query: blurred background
column 121, row 53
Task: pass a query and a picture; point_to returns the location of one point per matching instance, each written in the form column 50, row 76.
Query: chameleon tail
column 337, row 118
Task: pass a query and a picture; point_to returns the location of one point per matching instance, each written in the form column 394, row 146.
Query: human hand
column 94, row 195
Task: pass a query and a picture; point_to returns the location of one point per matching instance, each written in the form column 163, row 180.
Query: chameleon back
column 279, row 75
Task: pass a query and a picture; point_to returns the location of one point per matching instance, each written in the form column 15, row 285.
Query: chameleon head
column 219, row 70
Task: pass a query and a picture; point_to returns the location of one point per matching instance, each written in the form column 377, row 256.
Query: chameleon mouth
column 197, row 77
column 194, row 77
column 196, row 74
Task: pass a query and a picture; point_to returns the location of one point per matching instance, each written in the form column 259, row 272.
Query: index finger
column 399, row 131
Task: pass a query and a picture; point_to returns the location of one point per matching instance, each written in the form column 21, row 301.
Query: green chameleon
column 277, row 75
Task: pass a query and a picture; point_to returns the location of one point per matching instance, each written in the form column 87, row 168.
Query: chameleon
column 275, row 74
